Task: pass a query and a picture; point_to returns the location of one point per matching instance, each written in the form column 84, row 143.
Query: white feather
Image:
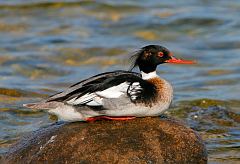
column 81, row 100
column 149, row 75
column 114, row 92
column 94, row 103
column 134, row 89
column 133, row 97
column 95, row 99
column 67, row 113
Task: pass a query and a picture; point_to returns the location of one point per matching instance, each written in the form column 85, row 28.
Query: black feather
column 104, row 81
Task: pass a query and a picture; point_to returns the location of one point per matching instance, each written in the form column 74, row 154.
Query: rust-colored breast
column 164, row 89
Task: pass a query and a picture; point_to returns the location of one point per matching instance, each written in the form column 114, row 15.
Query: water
column 47, row 45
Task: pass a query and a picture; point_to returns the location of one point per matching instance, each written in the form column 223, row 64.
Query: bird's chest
column 163, row 90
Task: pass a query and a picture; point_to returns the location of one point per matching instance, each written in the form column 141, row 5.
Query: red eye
column 160, row 54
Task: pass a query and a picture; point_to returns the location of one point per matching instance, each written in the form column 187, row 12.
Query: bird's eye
column 160, row 54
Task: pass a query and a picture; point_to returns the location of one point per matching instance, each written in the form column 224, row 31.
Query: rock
column 142, row 140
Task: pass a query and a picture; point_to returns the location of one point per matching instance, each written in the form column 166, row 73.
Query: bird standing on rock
column 117, row 95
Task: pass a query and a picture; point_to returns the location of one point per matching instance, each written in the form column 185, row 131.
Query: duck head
column 149, row 57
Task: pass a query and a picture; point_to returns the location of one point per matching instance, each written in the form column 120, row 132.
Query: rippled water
column 47, row 45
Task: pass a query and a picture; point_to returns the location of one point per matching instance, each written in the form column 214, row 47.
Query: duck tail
column 43, row 105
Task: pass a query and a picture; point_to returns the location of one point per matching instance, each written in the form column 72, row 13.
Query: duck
column 117, row 95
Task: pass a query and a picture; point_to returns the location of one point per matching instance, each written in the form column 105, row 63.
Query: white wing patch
column 96, row 98
column 97, row 101
column 114, row 92
column 81, row 100
column 134, row 90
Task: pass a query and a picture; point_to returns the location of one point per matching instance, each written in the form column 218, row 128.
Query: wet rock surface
column 142, row 140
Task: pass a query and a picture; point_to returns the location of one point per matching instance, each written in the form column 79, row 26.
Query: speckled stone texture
column 142, row 140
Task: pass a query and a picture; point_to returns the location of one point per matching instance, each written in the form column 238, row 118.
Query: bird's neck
column 150, row 75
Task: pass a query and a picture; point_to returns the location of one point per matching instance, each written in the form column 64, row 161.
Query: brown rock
column 142, row 140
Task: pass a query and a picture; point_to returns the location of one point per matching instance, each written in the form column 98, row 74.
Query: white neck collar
column 146, row 76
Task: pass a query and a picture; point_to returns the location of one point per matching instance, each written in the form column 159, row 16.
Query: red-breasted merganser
column 117, row 95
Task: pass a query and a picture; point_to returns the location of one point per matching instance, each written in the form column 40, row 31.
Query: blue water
column 47, row 45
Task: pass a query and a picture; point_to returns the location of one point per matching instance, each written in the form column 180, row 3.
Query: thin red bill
column 174, row 60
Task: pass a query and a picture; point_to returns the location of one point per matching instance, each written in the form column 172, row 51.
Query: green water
column 47, row 45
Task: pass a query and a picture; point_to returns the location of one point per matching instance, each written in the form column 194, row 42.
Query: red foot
column 91, row 119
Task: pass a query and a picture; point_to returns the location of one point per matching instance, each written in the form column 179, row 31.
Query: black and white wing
column 92, row 91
